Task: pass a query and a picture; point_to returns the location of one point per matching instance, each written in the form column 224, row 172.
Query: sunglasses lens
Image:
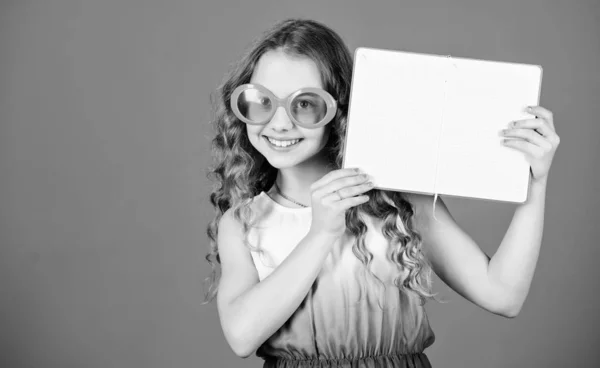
column 309, row 108
column 255, row 105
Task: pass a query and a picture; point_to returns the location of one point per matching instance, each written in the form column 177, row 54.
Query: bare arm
column 499, row 285
column 515, row 261
column 251, row 311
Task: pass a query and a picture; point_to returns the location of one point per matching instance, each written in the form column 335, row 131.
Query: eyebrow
column 289, row 94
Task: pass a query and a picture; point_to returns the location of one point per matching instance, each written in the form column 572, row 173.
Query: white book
column 430, row 124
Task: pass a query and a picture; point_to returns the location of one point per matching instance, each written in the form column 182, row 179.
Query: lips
column 282, row 144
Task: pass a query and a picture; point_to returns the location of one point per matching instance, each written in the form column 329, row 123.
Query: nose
column 281, row 120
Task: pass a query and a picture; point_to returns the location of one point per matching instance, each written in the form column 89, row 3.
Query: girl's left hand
column 539, row 140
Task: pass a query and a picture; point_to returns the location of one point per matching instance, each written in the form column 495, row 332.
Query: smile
column 282, row 144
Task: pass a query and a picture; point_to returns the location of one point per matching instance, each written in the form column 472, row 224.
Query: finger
column 529, row 135
column 333, row 197
column 525, row 146
column 542, row 113
column 353, row 201
column 351, row 191
column 341, row 184
column 334, row 175
column 348, row 192
column 540, row 125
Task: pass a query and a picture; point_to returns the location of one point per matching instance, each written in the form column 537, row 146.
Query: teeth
column 283, row 143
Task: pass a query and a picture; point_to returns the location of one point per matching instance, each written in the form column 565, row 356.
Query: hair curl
column 241, row 172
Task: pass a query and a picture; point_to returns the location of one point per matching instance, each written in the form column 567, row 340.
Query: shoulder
column 230, row 229
column 228, row 220
column 419, row 202
column 233, row 251
column 423, row 208
column 230, row 225
column 419, row 199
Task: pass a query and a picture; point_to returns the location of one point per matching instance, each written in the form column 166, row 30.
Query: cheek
column 320, row 139
column 251, row 129
column 253, row 132
column 325, row 136
column 315, row 139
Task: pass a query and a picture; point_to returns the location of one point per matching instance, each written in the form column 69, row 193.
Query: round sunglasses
column 309, row 107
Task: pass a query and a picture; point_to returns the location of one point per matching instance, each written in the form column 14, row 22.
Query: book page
column 429, row 123
column 393, row 120
column 482, row 98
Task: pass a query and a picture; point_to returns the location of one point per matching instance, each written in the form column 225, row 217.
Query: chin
column 279, row 162
column 307, row 150
column 283, row 161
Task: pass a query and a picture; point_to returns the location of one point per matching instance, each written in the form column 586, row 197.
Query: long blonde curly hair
column 241, row 172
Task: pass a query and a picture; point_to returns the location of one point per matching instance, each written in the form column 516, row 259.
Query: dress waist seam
column 345, row 359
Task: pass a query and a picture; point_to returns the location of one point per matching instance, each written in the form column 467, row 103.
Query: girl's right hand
column 328, row 210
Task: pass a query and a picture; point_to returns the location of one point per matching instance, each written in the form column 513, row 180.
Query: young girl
column 319, row 268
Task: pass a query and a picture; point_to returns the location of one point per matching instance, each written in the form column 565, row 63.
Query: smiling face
column 284, row 74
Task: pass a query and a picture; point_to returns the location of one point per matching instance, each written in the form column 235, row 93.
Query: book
column 429, row 124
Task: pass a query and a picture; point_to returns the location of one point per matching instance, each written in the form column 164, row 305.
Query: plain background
column 104, row 145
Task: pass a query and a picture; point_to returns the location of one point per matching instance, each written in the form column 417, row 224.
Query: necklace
column 288, row 198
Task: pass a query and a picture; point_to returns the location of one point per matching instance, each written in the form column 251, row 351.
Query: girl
column 319, row 268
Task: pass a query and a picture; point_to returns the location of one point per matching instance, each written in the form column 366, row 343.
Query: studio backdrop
column 105, row 144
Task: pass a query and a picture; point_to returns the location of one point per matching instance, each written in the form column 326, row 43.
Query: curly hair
column 241, row 172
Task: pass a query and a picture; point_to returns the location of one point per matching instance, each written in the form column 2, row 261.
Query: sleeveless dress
column 348, row 318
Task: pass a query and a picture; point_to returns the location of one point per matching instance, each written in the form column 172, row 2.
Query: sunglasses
column 309, row 107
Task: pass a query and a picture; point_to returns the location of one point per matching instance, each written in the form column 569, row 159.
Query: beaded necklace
column 288, row 198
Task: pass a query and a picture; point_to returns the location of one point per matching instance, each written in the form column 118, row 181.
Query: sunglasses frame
column 330, row 102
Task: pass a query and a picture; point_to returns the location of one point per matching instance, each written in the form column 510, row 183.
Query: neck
column 295, row 181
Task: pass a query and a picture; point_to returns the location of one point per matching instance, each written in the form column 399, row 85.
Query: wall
column 104, row 143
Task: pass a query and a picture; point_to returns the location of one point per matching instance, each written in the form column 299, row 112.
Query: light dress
column 348, row 319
